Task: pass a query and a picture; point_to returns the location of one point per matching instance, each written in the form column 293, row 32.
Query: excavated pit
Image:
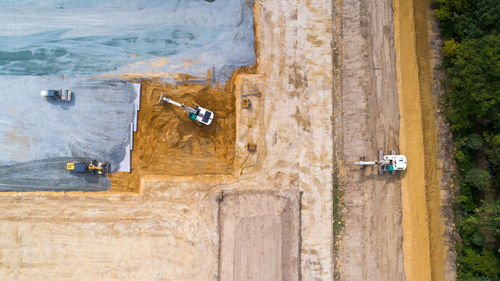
column 167, row 143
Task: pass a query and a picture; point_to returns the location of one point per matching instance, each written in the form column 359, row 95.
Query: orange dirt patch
column 168, row 143
column 423, row 244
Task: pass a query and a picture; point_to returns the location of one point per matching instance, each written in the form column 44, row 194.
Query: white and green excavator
column 197, row 114
column 387, row 163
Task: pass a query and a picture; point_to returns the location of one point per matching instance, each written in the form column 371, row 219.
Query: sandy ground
column 168, row 228
column 167, row 236
column 271, row 254
column 174, row 226
column 367, row 119
column 169, row 143
column 423, row 191
column 446, row 165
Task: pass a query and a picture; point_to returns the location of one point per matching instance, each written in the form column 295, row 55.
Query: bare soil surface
column 166, row 226
column 446, row 150
column 56, row 236
column 367, row 119
column 425, row 194
column 165, row 220
column 259, row 237
column 168, row 143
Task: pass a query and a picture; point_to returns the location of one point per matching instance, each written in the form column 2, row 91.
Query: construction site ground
column 168, row 143
column 367, row 120
column 38, row 136
column 335, row 81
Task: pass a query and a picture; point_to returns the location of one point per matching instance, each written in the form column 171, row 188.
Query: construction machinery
column 64, row 95
column 246, row 103
column 197, row 114
column 252, row 147
column 92, row 167
column 387, row 163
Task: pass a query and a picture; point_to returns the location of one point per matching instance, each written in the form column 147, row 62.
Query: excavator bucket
column 161, row 101
column 380, row 158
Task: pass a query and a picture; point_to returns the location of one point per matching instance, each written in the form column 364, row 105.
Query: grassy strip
column 338, row 223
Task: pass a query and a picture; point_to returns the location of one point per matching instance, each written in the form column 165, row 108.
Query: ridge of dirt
column 446, row 149
column 424, row 250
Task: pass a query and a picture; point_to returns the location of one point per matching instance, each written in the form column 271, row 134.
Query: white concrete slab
column 137, row 88
column 125, row 164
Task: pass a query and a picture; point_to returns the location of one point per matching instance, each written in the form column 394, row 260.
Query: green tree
column 490, row 213
column 474, row 88
column 478, row 178
column 465, row 19
column 474, row 142
column 472, row 63
column 485, row 263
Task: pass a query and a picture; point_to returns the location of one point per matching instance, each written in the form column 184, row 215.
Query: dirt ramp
column 259, row 237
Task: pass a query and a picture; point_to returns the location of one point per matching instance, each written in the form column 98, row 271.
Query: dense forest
column 472, row 106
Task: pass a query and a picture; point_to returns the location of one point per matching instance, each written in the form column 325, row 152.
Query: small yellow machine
column 92, row 168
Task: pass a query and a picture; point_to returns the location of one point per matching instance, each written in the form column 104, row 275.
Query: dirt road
column 427, row 195
column 367, row 119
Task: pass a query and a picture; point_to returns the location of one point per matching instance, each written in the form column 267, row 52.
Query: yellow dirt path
column 423, row 246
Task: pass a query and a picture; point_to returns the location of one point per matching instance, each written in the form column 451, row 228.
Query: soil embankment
column 423, row 245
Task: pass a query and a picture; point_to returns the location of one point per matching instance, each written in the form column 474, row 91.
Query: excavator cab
column 388, row 168
column 77, row 167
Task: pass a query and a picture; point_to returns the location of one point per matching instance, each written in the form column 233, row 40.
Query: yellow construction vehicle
column 93, row 167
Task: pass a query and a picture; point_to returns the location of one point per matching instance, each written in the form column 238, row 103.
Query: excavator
column 387, row 163
column 92, row 168
column 198, row 114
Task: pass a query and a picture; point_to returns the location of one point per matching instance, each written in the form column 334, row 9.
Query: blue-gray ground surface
column 90, row 37
column 94, row 125
column 56, row 44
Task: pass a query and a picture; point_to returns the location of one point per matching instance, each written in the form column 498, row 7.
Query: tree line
column 471, row 59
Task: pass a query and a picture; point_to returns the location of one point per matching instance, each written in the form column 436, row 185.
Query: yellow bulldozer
column 92, row 168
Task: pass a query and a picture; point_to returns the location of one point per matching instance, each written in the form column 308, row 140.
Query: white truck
column 64, row 95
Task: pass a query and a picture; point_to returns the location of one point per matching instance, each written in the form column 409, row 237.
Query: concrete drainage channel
column 37, row 136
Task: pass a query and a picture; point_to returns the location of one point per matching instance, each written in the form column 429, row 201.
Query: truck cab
column 64, row 95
